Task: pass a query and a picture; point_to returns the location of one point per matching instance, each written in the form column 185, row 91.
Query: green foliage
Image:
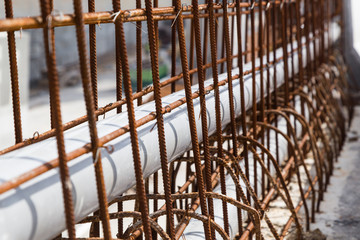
column 147, row 75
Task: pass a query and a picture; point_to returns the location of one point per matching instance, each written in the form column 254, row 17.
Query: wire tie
column 147, row 89
column 36, row 135
column 139, row 28
column 168, row 109
column 127, row 14
column 217, row 22
column 153, row 127
column 21, row 31
column 104, row 109
column 189, row 206
column 267, row 6
column 49, row 20
column 109, row 149
column 282, row 5
column 68, row 184
column 115, row 15
column 97, row 156
column 252, row 6
column 153, row 113
column 130, row 225
column 60, row 13
column 177, row 15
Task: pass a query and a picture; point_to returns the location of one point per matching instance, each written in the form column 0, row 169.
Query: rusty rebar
column 204, row 121
column 49, row 42
column 14, row 75
column 216, row 156
column 159, row 116
column 190, row 109
column 90, row 108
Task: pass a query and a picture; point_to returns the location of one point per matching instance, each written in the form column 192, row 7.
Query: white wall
column 65, row 36
column 355, row 8
column 6, row 114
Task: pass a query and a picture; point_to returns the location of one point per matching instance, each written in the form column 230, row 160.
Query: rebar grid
column 242, row 150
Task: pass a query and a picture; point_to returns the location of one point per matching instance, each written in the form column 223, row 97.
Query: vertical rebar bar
column 14, row 75
column 191, row 113
column 90, row 109
column 159, row 116
column 49, row 43
column 140, row 186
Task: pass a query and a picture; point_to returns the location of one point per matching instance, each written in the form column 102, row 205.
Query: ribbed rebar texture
column 220, row 109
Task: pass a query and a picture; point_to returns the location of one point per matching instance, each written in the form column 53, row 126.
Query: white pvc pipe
column 35, row 209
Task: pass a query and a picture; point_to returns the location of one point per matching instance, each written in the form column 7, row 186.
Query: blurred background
column 32, row 67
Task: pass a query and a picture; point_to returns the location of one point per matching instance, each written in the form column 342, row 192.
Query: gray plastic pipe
column 35, row 209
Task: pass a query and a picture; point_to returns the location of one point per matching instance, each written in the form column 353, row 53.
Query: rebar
column 246, row 132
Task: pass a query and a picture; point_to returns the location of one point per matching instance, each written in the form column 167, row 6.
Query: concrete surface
column 339, row 216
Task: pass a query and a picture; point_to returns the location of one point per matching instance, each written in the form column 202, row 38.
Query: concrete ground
column 339, row 216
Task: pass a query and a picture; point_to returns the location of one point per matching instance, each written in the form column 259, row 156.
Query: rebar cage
column 254, row 87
